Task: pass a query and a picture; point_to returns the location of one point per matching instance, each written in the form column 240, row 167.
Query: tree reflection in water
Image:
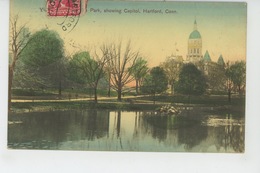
column 230, row 134
column 125, row 131
column 156, row 125
column 118, row 124
column 191, row 132
column 96, row 124
column 41, row 130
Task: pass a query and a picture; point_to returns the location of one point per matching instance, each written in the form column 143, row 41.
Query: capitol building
column 195, row 52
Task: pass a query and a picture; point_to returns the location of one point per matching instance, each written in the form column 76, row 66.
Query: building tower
column 221, row 61
column 194, row 45
column 206, row 62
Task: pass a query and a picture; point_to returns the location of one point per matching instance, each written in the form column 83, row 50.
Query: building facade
column 194, row 46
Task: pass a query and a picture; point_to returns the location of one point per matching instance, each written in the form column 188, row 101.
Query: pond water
column 96, row 130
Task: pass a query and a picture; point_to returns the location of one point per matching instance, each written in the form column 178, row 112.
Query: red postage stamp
column 64, row 7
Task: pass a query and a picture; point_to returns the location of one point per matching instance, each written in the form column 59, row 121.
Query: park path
column 72, row 100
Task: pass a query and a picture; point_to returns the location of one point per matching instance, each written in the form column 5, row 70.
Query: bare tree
column 98, row 69
column 172, row 69
column 19, row 38
column 108, row 78
column 139, row 71
column 121, row 61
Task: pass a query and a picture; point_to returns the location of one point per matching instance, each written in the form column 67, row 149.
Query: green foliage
column 216, row 100
column 44, row 48
column 155, row 82
column 191, row 81
column 216, row 76
column 85, row 70
column 139, row 69
column 24, row 78
column 237, row 73
column 30, row 92
column 76, row 72
column 43, row 60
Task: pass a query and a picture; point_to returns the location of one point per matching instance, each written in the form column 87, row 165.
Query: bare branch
column 121, row 60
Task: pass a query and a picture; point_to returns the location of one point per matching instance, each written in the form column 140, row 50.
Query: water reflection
column 227, row 133
column 125, row 131
column 188, row 129
column 156, row 125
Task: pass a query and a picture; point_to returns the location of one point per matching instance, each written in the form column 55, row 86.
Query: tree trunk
column 118, row 125
column 109, row 92
column 239, row 90
column 154, row 98
column 10, row 83
column 109, row 85
column 60, row 90
column 95, row 93
column 172, row 88
column 119, row 94
column 229, row 95
column 137, row 86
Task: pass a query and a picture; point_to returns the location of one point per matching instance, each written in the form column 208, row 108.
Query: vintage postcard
column 127, row 76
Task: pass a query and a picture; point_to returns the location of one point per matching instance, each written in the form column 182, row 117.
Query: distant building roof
column 221, row 60
column 195, row 35
column 176, row 58
column 206, row 57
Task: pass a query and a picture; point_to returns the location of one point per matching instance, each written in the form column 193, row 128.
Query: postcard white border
column 25, row 161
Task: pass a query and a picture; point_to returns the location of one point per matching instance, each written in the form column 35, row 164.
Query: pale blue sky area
column 222, row 26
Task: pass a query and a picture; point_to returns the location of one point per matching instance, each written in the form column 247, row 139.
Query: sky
column 222, row 26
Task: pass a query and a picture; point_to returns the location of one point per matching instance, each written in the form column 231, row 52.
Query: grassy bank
column 210, row 104
column 35, row 106
column 210, row 100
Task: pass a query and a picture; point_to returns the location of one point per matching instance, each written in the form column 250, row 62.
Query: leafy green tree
column 76, row 73
column 156, row 82
column 86, row 70
column 236, row 77
column 25, row 78
column 216, row 76
column 139, row 70
column 191, row 81
column 45, row 48
column 44, row 56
